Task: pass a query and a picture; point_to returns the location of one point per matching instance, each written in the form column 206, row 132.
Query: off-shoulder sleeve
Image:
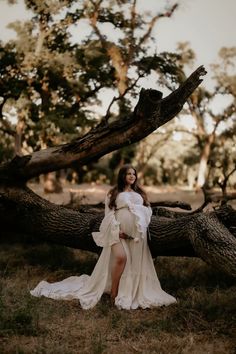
column 108, row 233
column 142, row 217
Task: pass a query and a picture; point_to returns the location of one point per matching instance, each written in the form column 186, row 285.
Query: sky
column 207, row 25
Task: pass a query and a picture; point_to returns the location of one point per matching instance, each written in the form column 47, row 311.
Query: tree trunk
column 18, row 136
column 202, row 170
column 52, row 183
column 206, row 235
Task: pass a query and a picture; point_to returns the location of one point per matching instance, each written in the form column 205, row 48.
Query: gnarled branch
column 150, row 113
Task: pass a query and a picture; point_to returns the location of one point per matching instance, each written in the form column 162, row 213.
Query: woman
column 125, row 268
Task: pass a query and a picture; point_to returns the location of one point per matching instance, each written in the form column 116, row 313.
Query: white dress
column 139, row 285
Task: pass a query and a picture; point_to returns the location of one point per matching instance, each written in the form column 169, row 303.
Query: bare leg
column 118, row 267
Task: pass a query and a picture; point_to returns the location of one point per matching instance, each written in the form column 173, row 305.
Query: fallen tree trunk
column 205, row 235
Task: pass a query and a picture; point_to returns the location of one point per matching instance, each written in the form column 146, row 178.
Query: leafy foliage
column 202, row 148
column 53, row 80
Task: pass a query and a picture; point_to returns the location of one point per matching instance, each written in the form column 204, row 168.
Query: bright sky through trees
column 207, row 25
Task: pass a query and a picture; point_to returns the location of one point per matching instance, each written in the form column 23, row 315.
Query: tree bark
column 206, row 235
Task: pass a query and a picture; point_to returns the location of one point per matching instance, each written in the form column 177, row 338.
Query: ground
column 202, row 321
column 91, row 193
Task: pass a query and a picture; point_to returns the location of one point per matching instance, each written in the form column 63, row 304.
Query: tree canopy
column 52, row 83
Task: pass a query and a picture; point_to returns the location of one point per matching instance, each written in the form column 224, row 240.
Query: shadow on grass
column 184, row 272
column 19, row 318
column 50, row 257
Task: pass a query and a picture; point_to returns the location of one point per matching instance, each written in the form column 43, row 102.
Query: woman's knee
column 119, row 254
column 121, row 258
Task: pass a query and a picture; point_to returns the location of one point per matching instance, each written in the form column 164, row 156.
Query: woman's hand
column 125, row 236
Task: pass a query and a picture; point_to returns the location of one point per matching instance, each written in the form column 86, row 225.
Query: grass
column 203, row 320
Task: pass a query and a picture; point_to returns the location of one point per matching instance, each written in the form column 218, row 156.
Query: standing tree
column 212, row 128
column 52, row 82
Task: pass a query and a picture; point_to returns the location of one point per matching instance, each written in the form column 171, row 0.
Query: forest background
column 52, row 106
column 54, row 88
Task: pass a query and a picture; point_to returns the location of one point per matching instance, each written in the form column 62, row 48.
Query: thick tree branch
column 150, row 113
column 172, row 204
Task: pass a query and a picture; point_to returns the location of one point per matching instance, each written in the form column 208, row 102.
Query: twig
column 106, row 117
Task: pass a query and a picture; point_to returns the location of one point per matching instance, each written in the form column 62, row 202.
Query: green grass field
column 202, row 322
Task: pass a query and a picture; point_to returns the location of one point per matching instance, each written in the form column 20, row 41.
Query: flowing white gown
column 139, row 285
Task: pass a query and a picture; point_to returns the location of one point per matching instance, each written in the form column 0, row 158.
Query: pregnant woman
column 125, row 268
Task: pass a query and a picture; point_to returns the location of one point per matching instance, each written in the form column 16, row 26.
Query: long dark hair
column 121, row 184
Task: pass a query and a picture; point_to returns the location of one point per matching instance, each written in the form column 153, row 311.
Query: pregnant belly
column 127, row 221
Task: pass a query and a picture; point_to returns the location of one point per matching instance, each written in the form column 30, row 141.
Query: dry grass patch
column 203, row 320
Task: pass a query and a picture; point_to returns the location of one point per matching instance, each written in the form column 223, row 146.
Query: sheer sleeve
column 109, row 229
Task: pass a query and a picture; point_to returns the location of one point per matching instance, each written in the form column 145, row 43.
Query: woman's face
column 130, row 177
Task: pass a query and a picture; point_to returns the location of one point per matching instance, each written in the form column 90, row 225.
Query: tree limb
column 150, row 113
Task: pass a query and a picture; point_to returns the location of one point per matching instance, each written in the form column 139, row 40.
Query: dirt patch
column 95, row 193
